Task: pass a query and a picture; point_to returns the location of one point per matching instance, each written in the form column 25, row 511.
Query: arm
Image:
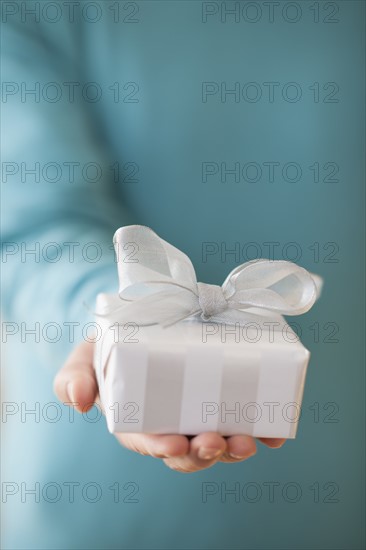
column 69, row 210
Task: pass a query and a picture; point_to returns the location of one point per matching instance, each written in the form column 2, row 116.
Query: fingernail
column 237, row 457
column 248, row 454
column 205, row 453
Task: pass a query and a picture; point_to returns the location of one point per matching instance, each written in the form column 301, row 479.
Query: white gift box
column 177, row 356
column 195, row 376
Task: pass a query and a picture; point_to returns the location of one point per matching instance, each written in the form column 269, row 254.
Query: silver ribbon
column 158, row 285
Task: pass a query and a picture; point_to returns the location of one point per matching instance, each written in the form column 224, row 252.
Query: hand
column 76, row 383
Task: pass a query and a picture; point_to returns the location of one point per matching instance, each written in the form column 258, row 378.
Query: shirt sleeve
column 60, row 203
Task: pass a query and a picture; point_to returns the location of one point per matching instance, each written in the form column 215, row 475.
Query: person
column 68, row 141
column 151, row 113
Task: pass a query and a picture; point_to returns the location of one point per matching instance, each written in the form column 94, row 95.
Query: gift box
column 177, row 356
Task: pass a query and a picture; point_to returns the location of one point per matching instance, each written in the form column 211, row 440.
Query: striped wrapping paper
column 194, row 377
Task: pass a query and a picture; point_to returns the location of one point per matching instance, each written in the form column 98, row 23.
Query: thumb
column 75, row 383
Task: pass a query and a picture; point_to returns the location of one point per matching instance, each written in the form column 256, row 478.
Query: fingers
column 239, row 447
column 201, row 452
column 272, row 442
column 76, row 382
column 205, row 450
column 208, row 448
column 158, row 446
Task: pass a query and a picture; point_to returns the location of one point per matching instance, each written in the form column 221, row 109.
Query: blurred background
column 235, row 130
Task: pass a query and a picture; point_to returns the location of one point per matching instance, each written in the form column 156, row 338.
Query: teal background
column 169, row 132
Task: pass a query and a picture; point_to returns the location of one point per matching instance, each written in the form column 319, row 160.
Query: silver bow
column 158, row 285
